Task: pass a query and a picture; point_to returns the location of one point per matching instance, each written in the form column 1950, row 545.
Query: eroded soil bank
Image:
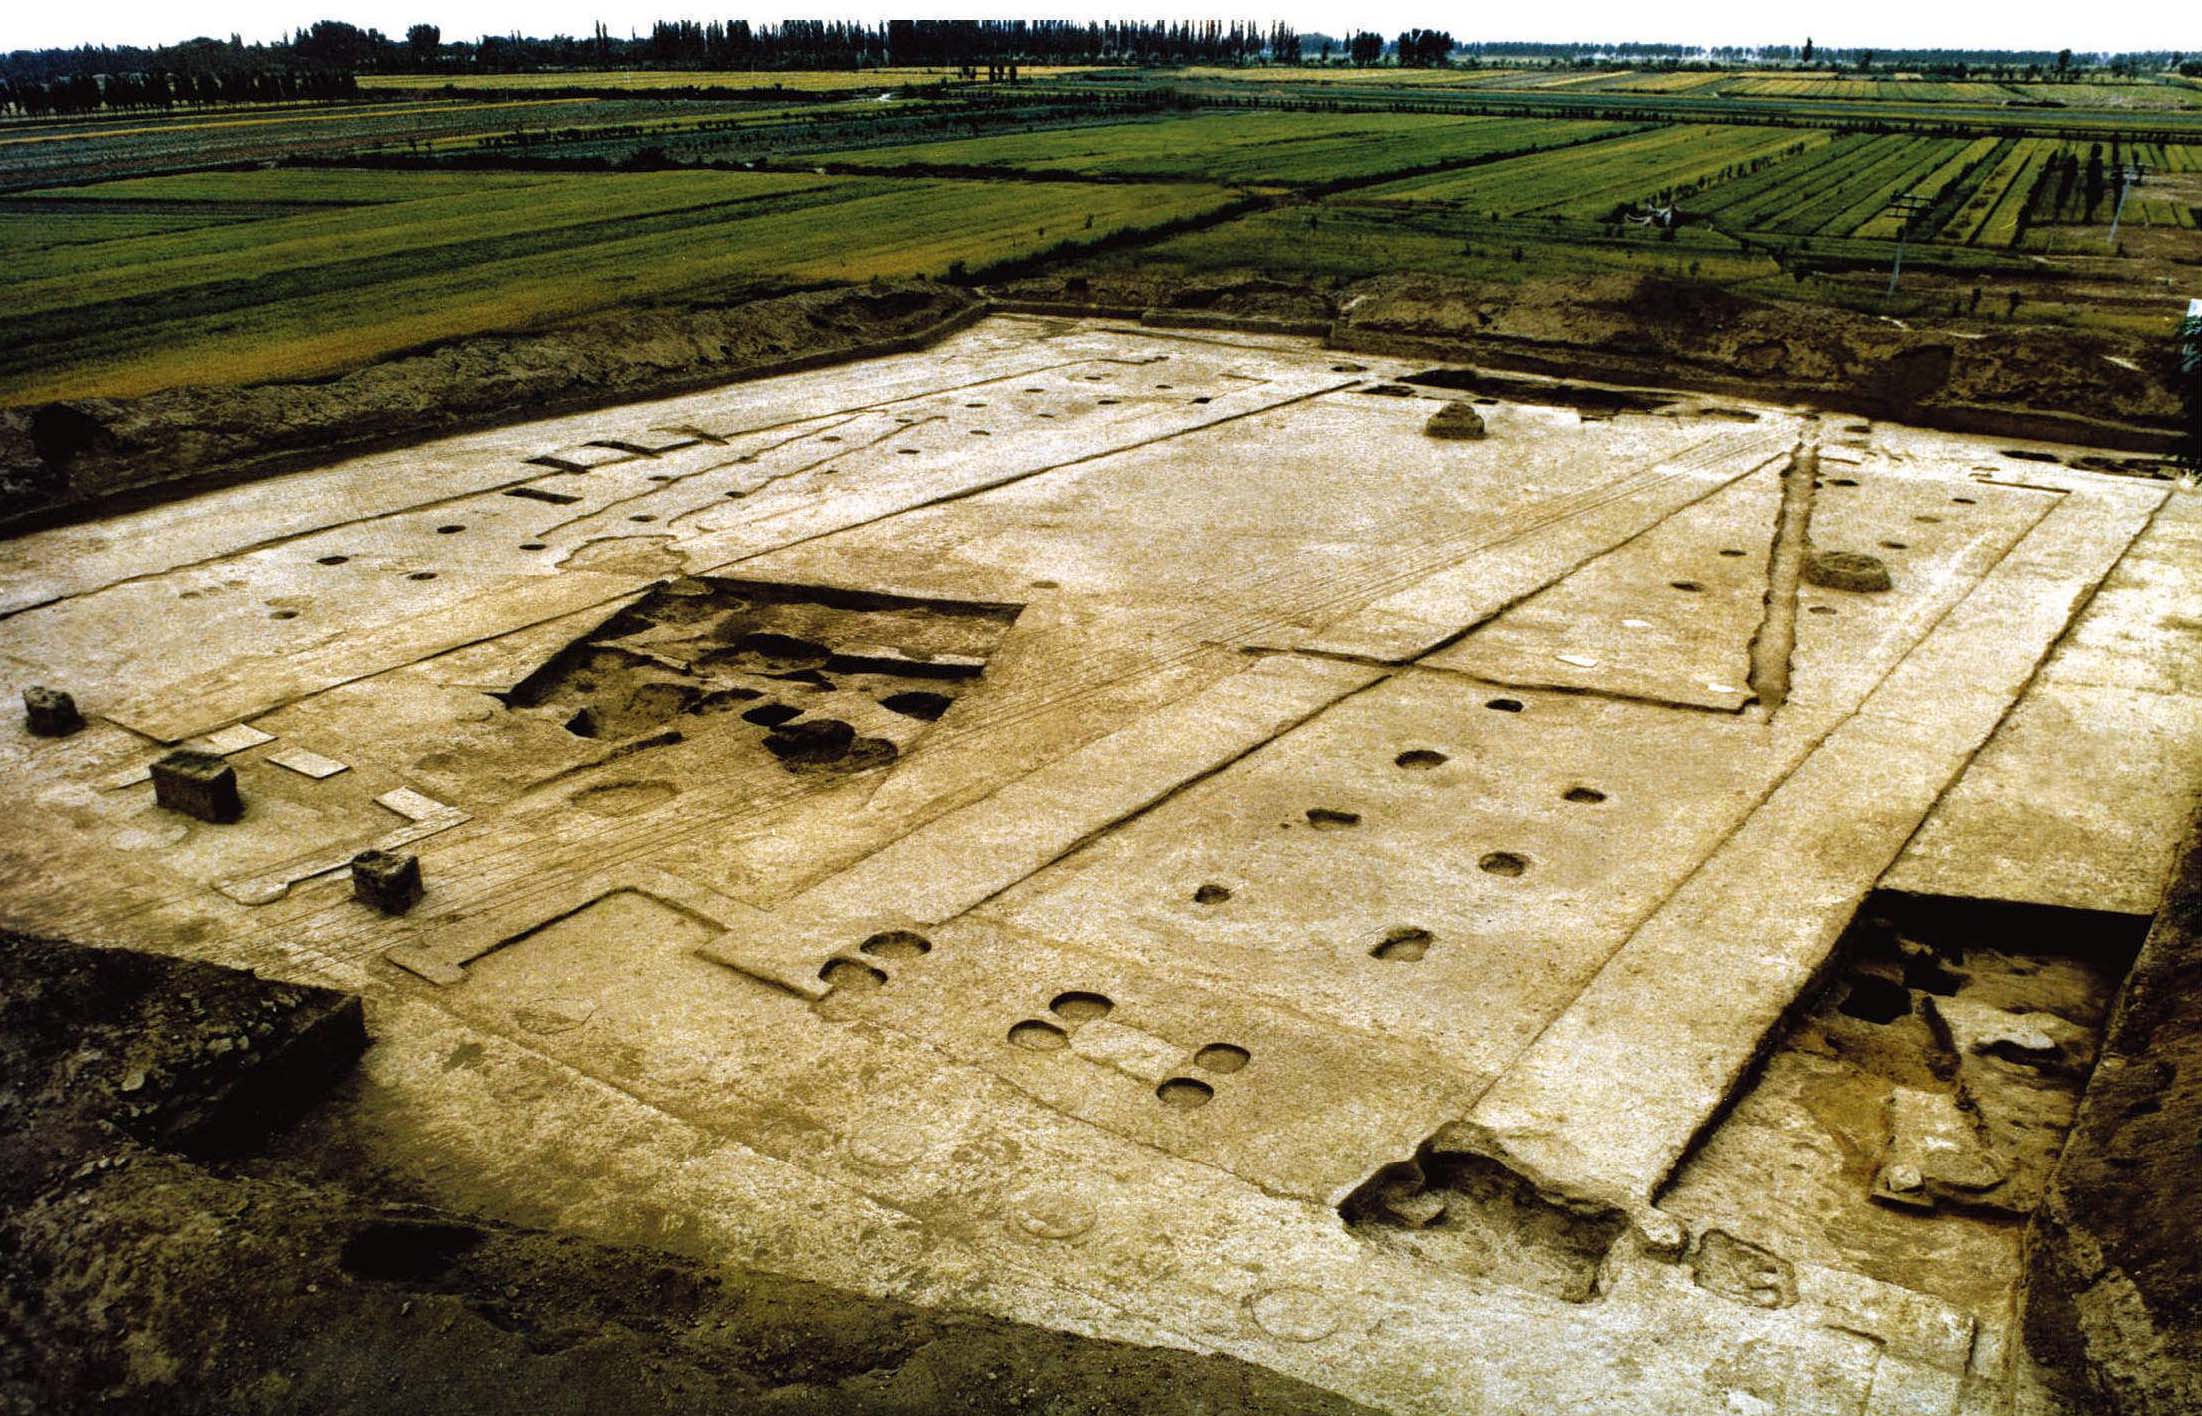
column 70, row 454
column 142, row 1271
column 2022, row 381
column 2114, row 1273
column 59, row 460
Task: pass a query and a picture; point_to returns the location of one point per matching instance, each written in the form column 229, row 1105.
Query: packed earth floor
column 1476, row 895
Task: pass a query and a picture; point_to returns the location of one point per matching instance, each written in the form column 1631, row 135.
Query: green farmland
column 1592, row 180
column 234, row 244
column 300, row 293
column 1289, row 148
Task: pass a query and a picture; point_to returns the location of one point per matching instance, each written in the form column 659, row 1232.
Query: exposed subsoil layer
column 135, row 1278
column 64, row 454
column 2114, row 1276
column 1666, row 333
column 2102, row 390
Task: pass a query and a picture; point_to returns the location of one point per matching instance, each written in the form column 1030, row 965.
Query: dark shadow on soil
column 134, row 1277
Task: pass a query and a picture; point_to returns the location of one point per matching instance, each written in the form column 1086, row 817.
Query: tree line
column 322, row 60
column 158, row 89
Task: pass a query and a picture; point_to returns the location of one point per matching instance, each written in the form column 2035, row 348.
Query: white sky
column 1892, row 24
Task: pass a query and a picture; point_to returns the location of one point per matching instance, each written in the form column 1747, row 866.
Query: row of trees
column 2012, row 61
column 931, row 42
column 318, row 61
column 306, row 65
column 160, row 89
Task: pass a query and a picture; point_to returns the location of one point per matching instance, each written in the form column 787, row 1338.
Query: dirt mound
column 133, row 1279
column 1456, row 420
column 1230, row 294
column 1248, row 296
column 68, row 453
column 1665, row 333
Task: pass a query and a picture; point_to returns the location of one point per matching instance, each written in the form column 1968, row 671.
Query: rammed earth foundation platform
column 1123, row 830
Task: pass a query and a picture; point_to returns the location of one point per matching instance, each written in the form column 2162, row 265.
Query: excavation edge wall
column 75, row 459
column 2113, row 1315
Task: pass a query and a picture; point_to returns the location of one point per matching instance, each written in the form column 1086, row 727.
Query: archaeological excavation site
column 1075, row 864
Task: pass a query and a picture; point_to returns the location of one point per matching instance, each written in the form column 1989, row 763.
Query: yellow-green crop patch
column 1589, row 181
column 319, row 292
column 304, row 186
column 36, row 155
column 1990, row 215
column 1236, row 146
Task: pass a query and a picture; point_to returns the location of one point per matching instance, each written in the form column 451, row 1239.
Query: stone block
column 198, row 784
column 388, row 880
column 48, row 712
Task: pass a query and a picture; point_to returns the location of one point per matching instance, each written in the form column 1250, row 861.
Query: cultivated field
column 1592, row 180
column 241, row 243
column 1289, row 148
column 367, row 269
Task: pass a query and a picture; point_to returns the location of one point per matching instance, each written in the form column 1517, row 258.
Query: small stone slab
column 307, row 763
column 414, row 806
column 388, row 880
column 234, row 738
column 48, row 712
column 198, row 784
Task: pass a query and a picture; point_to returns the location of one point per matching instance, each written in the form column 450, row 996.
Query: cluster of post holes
column 892, row 945
column 1733, row 553
column 1409, row 943
column 451, row 529
column 1076, row 1008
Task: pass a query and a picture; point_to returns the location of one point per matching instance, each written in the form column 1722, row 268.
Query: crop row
column 1292, row 148
column 1346, row 241
column 307, row 294
column 35, row 155
column 1804, row 196
column 2077, row 185
column 1910, row 90
column 1991, row 213
column 1946, row 186
column 1590, row 181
